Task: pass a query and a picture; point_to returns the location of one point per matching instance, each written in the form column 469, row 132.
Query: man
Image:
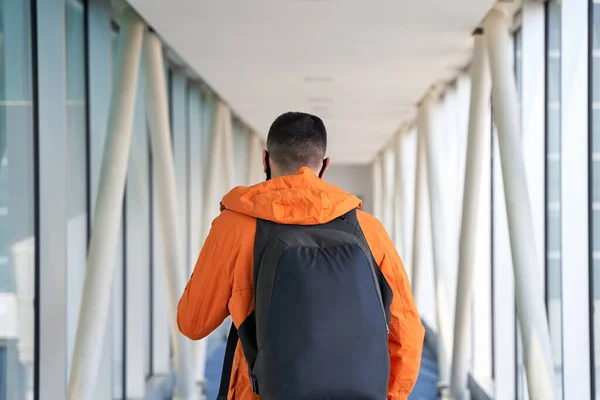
column 294, row 195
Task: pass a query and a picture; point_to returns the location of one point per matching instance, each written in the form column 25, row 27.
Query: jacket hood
column 300, row 199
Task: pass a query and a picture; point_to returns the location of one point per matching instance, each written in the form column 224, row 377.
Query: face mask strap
column 323, row 169
column 268, row 166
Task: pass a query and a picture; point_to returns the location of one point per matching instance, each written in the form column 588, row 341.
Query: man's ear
column 326, row 164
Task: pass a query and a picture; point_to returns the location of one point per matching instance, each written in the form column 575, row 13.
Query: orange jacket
column 221, row 284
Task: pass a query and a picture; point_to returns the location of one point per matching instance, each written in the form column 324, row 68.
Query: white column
column 438, row 235
column 162, row 152
column 138, row 257
column 386, row 192
column 254, row 160
column 196, row 174
column 531, row 309
column 575, row 208
column 505, row 363
column 377, row 188
column 179, row 98
column 533, row 61
column 478, row 141
column 399, row 214
column 418, row 220
column 100, row 74
column 210, row 211
column 211, row 202
column 227, row 159
column 96, row 303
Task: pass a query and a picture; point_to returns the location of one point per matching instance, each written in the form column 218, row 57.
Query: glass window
column 77, row 159
column 595, row 189
column 119, row 315
column 518, row 48
column 553, row 187
column 521, row 380
column 17, row 234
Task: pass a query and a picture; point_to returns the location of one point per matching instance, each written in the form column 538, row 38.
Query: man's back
column 222, row 283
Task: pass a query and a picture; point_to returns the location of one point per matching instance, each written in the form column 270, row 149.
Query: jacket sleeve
column 204, row 303
column 406, row 331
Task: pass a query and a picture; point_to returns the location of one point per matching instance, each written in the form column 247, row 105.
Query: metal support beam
column 426, row 140
column 162, row 152
column 95, row 304
column 531, row 309
column 478, row 140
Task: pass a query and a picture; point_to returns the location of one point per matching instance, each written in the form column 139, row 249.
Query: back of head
column 297, row 140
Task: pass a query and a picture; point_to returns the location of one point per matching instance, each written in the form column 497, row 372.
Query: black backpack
column 322, row 312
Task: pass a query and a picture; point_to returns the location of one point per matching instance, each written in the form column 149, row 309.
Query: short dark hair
column 297, row 140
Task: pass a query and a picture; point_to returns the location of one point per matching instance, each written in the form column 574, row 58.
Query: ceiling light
column 318, row 79
column 321, row 100
column 320, row 108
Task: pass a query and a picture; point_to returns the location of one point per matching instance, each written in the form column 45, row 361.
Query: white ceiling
column 360, row 65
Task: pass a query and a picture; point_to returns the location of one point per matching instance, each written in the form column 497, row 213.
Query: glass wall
column 17, row 233
column 595, row 189
column 77, row 161
column 553, row 187
column 521, row 382
column 137, row 341
column 118, row 317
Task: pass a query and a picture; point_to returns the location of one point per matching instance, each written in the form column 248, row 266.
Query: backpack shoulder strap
column 247, row 330
column 228, row 363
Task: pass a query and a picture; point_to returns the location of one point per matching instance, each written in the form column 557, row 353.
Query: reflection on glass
column 17, row 244
column 595, row 189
